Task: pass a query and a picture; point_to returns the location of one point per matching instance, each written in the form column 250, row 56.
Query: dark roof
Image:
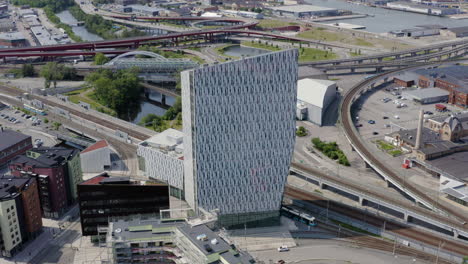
column 46, row 157
column 10, row 186
column 456, row 74
column 9, row 138
column 459, row 30
column 453, row 164
column 105, row 178
column 431, row 26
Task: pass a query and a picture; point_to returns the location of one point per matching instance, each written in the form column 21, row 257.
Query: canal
column 385, row 20
column 67, row 18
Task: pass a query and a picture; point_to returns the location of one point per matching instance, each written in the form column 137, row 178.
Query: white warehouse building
column 313, row 98
column 96, row 158
column 161, row 158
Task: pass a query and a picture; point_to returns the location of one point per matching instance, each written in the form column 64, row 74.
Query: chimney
column 419, row 136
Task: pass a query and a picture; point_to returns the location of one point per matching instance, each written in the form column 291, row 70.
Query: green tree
column 52, row 72
column 100, row 59
column 27, row 70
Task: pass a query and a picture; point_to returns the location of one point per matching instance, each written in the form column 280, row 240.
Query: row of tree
column 55, row 5
column 53, row 72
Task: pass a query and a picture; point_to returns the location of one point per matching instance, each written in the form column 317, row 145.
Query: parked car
column 397, row 117
column 283, row 249
column 358, row 125
column 375, row 133
column 385, row 117
column 371, row 122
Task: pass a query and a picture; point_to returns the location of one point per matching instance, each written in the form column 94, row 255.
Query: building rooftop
column 98, row 145
column 463, row 117
column 206, row 240
column 459, row 30
column 454, row 165
column 9, row 186
column 105, row 178
column 432, row 143
column 45, row 157
column 146, row 8
column 302, row 8
column 431, row 26
column 456, row 74
column 313, row 91
column 9, row 138
column 170, row 142
column 12, row 36
column 426, row 93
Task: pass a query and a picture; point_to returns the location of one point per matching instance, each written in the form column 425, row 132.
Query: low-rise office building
column 146, row 10
column 154, row 240
column 12, row 143
column 20, row 213
column 161, row 158
column 57, row 171
column 104, row 196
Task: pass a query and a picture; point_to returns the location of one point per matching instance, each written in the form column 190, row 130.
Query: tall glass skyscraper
column 239, row 132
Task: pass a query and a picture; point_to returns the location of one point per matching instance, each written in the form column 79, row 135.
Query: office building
column 161, row 158
column 159, row 241
column 57, row 171
column 103, row 196
column 20, row 213
column 96, row 158
column 12, row 143
column 239, row 133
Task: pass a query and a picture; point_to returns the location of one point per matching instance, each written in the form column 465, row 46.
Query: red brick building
column 12, row 143
column 49, row 169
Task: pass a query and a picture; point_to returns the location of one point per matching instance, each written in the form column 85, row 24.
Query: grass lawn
column 320, row 34
column 384, row 145
column 395, row 153
column 86, row 95
column 354, row 54
column 353, row 228
column 309, row 54
column 272, row 23
column 260, row 45
column 168, row 124
column 362, row 42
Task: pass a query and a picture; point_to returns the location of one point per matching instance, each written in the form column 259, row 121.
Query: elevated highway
column 378, row 165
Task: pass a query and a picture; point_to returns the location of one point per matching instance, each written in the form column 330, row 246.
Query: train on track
column 296, row 215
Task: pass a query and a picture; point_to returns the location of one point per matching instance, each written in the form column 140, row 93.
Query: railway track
column 100, row 121
column 428, row 238
column 354, row 138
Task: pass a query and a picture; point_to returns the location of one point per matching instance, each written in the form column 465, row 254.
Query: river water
column 385, row 20
column 67, row 18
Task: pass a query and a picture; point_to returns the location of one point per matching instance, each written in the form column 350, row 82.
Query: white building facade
column 239, row 134
column 313, row 98
column 161, row 158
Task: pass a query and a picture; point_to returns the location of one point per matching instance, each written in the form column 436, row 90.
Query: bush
column 331, row 150
column 46, row 120
column 301, row 132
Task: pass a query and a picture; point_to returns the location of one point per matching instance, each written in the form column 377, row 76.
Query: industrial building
column 57, row 171
column 104, row 196
column 161, row 158
column 12, row 143
column 96, row 158
column 422, row 9
column 7, row 25
column 238, row 144
column 453, row 79
column 167, row 241
column 313, row 98
column 146, row 10
column 419, row 31
column 304, row 11
column 456, row 32
column 427, row 95
column 20, row 213
column 42, row 36
column 12, row 39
